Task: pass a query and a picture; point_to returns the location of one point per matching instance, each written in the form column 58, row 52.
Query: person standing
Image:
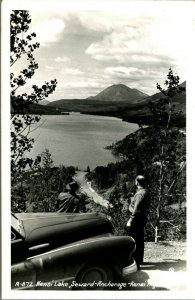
column 136, row 224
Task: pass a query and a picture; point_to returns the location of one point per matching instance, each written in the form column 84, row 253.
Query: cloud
column 80, row 88
column 49, row 30
column 71, row 71
column 144, row 80
column 130, row 42
column 49, row 67
column 124, row 71
column 120, row 45
column 148, row 41
column 130, row 72
column 60, row 59
column 116, row 17
column 80, row 84
column 100, row 21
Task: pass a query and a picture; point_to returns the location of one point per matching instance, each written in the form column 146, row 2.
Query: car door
column 19, row 249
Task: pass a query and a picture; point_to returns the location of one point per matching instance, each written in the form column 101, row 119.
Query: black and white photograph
column 94, row 178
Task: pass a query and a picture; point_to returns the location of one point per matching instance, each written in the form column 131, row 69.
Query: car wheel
column 95, row 276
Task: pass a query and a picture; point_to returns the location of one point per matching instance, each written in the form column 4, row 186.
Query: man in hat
column 69, row 201
column 138, row 217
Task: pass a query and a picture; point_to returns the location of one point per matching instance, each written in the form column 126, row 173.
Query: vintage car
column 68, row 251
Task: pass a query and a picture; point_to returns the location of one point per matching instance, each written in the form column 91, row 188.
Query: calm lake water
column 78, row 139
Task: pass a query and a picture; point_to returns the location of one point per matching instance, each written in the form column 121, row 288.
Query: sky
column 90, row 47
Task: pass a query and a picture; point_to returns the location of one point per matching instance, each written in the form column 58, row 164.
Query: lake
column 79, row 139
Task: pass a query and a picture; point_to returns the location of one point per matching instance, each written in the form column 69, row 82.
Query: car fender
column 66, row 261
column 23, row 275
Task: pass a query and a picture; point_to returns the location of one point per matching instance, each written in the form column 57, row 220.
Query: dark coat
column 140, row 203
column 68, row 203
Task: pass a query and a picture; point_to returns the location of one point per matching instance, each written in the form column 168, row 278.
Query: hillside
column 119, row 101
column 128, row 104
column 141, row 110
column 111, row 99
column 39, row 109
column 89, row 106
column 179, row 99
column 44, row 102
column 119, row 93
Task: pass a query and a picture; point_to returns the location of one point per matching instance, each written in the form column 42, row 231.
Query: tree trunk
column 156, row 234
column 157, row 223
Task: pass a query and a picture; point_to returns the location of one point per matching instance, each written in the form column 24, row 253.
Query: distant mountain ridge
column 130, row 105
column 119, row 92
column 117, row 101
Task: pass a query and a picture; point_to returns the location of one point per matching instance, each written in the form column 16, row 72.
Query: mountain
column 120, row 101
column 119, row 93
column 179, row 99
column 44, row 102
column 107, row 102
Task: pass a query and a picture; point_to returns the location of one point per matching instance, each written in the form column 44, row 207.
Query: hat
column 62, row 196
column 72, row 186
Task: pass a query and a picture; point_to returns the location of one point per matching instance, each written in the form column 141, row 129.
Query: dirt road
column 86, row 188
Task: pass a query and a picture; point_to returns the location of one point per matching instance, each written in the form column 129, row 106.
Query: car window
column 13, row 236
column 17, row 225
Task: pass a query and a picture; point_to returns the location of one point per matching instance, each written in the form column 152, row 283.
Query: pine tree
column 21, row 50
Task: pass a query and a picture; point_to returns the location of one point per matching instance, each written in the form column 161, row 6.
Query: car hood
column 62, row 228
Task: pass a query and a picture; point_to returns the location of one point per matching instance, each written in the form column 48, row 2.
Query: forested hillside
column 157, row 151
column 130, row 106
